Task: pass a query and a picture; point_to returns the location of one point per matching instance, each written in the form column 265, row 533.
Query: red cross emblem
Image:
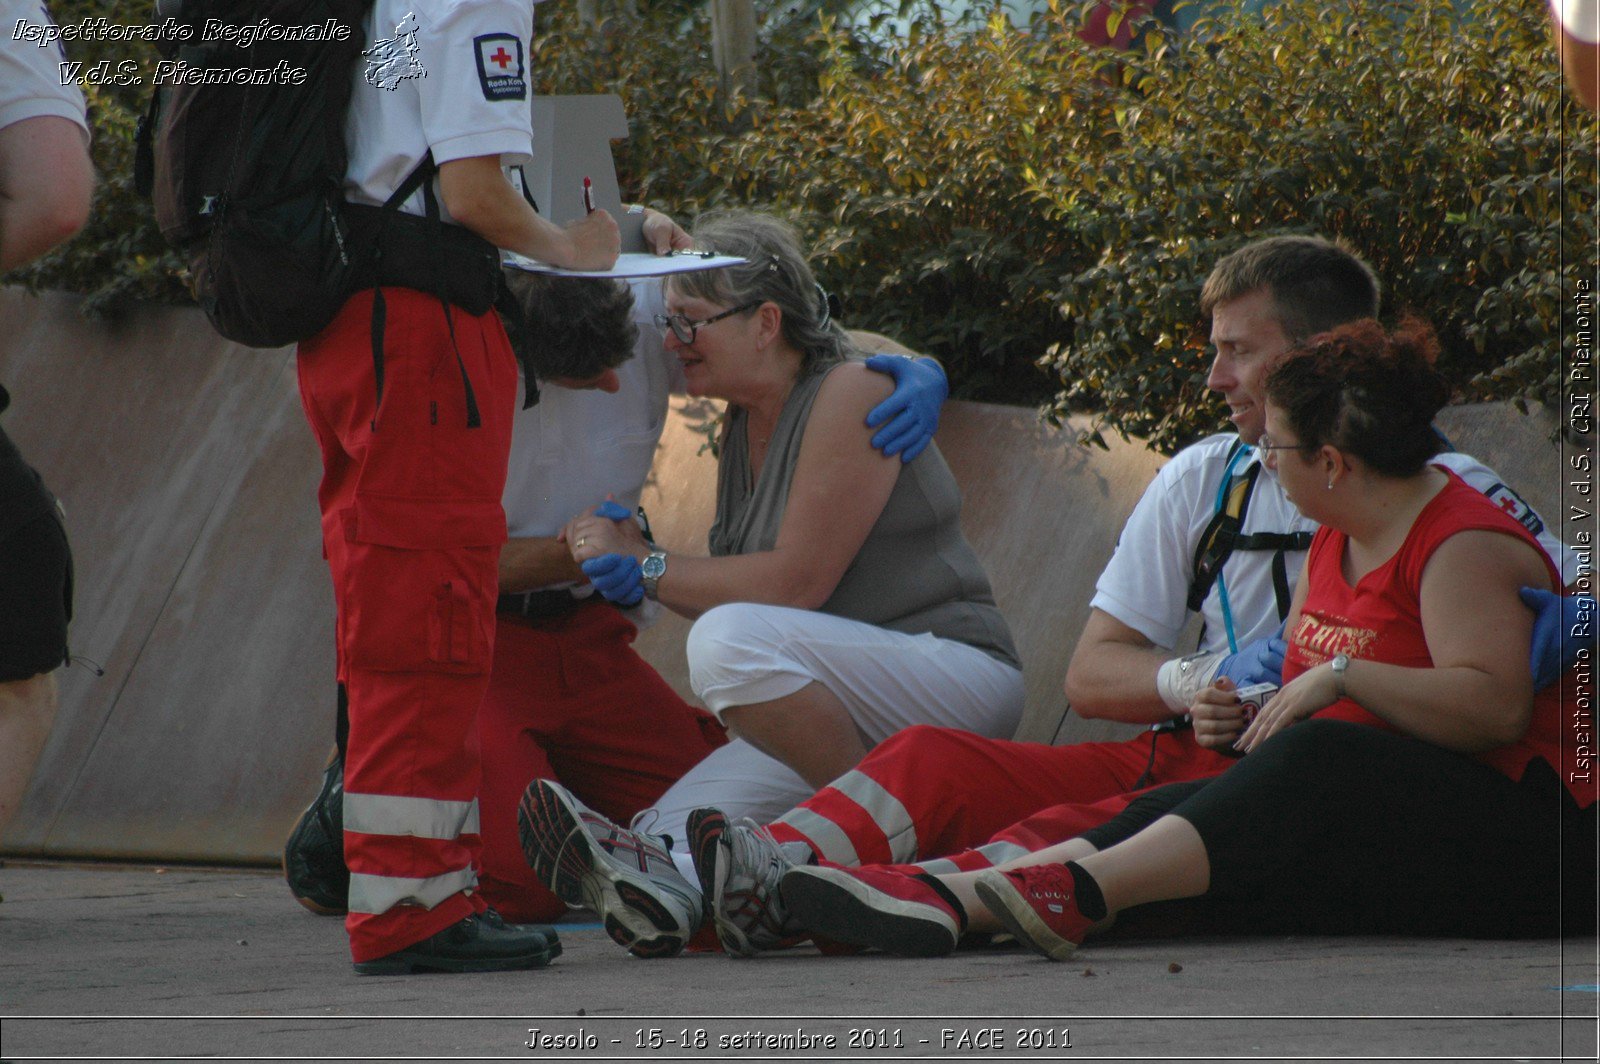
column 501, row 57
column 1509, row 505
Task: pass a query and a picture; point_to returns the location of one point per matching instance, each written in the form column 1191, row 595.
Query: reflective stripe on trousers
column 424, row 818
column 886, row 811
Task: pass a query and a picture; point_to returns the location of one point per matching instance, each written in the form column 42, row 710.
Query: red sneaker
column 1039, row 905
column 872, row 907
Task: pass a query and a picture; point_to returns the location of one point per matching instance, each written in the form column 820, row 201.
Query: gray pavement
column 148, row 963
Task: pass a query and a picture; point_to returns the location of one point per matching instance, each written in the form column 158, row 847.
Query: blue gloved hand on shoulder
column 1258, row 662
column 616, row 577
column 613, row 510
column 1561, row 625
column 912, row 412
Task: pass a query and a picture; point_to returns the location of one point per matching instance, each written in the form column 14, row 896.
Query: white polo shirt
column 462, row 90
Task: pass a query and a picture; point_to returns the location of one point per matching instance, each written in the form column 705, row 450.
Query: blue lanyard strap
column 1222, row 579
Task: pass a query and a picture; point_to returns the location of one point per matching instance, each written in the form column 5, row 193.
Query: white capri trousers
column 743, row 653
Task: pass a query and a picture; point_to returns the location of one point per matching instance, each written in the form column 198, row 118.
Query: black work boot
column 313, row 858
column 480, row 943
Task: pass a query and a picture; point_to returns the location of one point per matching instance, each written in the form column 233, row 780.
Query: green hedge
column 1040, row 214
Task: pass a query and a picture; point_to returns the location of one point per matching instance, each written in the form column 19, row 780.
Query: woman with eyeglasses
column 838, row 603
column 1406, row 779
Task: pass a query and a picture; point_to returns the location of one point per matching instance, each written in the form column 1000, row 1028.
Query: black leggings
column 1338, row 828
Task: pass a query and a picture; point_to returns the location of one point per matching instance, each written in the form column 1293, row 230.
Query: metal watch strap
column 1339, row 664
column 653, row 569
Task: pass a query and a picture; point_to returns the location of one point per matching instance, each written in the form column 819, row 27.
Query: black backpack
column 246, row 178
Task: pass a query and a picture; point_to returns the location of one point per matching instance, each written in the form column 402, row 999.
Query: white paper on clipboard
column 633, row 264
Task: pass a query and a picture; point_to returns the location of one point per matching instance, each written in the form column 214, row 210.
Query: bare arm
column 838, row 491
column 1479, row 693
column 45, row 186
column 1580, row 60
column 531, row 562
column 1112, row 674
column 478, row 196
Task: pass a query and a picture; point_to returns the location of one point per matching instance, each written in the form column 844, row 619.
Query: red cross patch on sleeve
column 1512, row 505
column 500, row 70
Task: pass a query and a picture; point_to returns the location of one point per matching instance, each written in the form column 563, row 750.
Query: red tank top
column 1380, row 619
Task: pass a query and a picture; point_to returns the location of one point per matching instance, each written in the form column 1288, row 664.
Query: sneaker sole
column 407, row 966
column 848, row 910
column 1012, row 909
column 705, row 838
column 711, row 862
column 566, row 859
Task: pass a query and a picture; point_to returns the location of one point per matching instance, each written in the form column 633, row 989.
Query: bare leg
column 811, row 731
column 978, row 916
column 27, row 709
column 1166, row 860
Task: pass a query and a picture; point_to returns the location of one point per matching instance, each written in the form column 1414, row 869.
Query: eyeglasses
column 1265, row 444
column 685, row 330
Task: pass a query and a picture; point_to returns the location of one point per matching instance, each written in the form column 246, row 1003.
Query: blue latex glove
column 613, row 510
column 1558, row 632
column 1258, row 662
column 912, row 412
column 617, row 577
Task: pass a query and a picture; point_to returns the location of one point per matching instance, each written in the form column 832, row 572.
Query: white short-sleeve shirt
column 30, row 75
column 575, row 447
column 1146, row 583
column 467, row 93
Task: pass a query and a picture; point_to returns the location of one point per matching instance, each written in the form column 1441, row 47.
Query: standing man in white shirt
column 411, row 391
column 46, row 182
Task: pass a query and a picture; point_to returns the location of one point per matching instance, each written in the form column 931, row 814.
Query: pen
column 588, row 196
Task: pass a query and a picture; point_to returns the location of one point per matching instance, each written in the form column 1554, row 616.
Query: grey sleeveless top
column 915, row 573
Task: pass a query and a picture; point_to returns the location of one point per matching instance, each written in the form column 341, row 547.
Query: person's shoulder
column 444, row 16
column 1467, row 468
column 1204, row 460
column 1482, row 480
column 851, row 383
column 1222, row 444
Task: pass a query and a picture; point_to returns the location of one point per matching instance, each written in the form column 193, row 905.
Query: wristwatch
column 1340, row 663
column 653, row 569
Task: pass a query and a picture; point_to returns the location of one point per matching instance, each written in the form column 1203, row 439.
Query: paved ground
column 182, row 963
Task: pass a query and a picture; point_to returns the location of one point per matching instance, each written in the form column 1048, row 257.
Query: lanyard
column 1222, row 579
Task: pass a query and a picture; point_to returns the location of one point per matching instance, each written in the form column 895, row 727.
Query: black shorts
column 35, row 597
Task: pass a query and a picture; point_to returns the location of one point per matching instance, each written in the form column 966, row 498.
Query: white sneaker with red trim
column 627, row 877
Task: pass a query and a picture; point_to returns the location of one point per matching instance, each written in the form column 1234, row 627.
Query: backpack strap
column 1220, row 535
column 421, row 177
column 1223, row 536
column 431, row 204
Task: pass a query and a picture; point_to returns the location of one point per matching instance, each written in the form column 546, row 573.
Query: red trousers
column 927, row 793
column 570, row 700
column 411, row 527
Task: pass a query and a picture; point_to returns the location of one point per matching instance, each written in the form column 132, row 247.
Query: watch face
column 653, row 567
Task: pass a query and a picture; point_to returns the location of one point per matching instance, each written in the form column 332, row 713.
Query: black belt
column 538, row 605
